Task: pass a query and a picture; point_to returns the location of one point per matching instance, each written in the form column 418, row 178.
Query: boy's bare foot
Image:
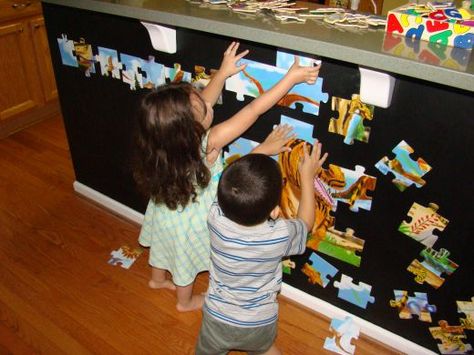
column 162, row 284
column 195, row 303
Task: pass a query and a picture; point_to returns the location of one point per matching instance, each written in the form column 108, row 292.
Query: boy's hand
column 276, row 140
column 299, row 74
column 310, row 164
column 229, row 65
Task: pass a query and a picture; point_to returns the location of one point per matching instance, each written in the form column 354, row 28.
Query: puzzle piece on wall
column 467, row 308
column 301, row 129
column 153, row 73
column 406, row 170
column 66, row 50
column 131, row 71
column 355, row 294
column 238, row 148
column 350, row 122
column 413, row 305
column 287, row 265
column 177, row 74
column 319, row 270
column 430, row 269
column 344, row 331
column 424, row 220
column 85, row 57
column 108, row 60
column 451, row 338
column 125, row 256
column 340, row 245
column 349, row 186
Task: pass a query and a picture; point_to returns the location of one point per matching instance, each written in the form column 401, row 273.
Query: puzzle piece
column 153, row 73
column 349, row 186
column 355, row 294
column 467, row 308
column 201, row 79
column 238, row 148
column 352, row 114
column 405, row 170
column 176, row 74
column 424, row 220
column 66, row 50
column 341, row 245
column 85, row 58
column 301, row 129
column 109, row 63
column 125, row 256
column 319, row 270
column 288, row 264
column 451, row 339
column 409, row 305
column 131, row 71
column 430, row 269
column 344, row 331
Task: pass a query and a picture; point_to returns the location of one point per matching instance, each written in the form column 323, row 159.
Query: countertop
column 361, row 47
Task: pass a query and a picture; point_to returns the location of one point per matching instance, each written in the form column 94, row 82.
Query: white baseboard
column 316, row 304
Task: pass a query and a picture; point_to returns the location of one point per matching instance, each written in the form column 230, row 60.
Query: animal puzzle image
column 350, row 122
column 424, row 220
column 344, row 330
column 412, row 305
column 125, row 256
column 451, row 338
column 358, row 295
column 467, row 307
column 108, row 60
column 319, row 270
column 430, row 269
column 406, row 170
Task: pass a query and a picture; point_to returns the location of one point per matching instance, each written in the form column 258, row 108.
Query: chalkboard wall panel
column 436, row 121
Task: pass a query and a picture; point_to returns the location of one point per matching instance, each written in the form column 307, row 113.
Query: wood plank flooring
column 58, row 294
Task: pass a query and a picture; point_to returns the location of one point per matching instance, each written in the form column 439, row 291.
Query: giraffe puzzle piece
column 355, row 294
column 430, row 269
column 424, row 220
column 342, row 245
column 409, row 305
column 350, row 122
column 125, row 256
column 451, row 338
column 319, row 270
column 467, row 308
column 344, row 331
column 406, row 170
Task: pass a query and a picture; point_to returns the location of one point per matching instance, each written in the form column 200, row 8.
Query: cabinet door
column 43, row 58
column 20, row 89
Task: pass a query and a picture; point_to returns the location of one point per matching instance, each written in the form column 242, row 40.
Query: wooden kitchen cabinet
column 27, row 86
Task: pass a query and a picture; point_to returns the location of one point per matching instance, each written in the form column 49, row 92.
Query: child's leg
column 186, row 300
column 273, row 350
column 159, row 280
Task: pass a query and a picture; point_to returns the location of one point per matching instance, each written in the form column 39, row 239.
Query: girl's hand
column 310, row 164
column 299, row 74
column 276, row 140
column 229, row 65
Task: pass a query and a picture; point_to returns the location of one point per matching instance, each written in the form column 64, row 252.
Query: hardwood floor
column 59, row 295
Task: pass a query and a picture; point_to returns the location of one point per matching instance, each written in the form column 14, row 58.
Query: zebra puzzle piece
column 355, row 294
column 424, row 220
column 125, row 256
column 405, row 170
column 467, row 308
column 319, row 270
column 344, row 331
column 451, row 338
column 409, row 305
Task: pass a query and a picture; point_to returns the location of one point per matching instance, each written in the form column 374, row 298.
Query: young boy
column 248, row 243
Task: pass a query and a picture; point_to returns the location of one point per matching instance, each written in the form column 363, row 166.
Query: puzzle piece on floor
column 85, row 57
column 344, row 331
column 424, row 220
column 355, row 294
column 430, row 269
column 66, row 50
column 287, row 265
column 342, row 245
column 406, row 170
column 201, row 79
column 319, row 270
column 410, row 305
column 125, row 256
column 349, row 186
column 451, row 338
column 108, row 60
column 177, row 74
column 350, row 122
column 467, row 307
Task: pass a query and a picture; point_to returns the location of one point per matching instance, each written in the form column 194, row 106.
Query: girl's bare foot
column 162, row 284
column 195, row 303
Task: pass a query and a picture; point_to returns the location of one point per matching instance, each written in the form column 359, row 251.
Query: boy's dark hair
column 249, row 189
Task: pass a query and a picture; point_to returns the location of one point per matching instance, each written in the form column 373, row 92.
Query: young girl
column 178, row 165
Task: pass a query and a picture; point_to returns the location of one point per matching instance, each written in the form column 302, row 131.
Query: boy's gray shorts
column 217, row 338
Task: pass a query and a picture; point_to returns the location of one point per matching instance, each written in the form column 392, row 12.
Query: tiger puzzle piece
column 424, row 220
column 350, row 122
column 349, row 186
column 344, row 331
column 406, row 170
column 430, row 269
column 108, row 60
column 467, row 308
column 358, row 295
column 412, row 305
column 125, row 256
column 342, row 245
column 451, row 338
column 85, row 57
column 319, row 270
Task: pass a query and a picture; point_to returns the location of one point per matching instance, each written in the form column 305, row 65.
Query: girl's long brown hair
column 168, row 163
